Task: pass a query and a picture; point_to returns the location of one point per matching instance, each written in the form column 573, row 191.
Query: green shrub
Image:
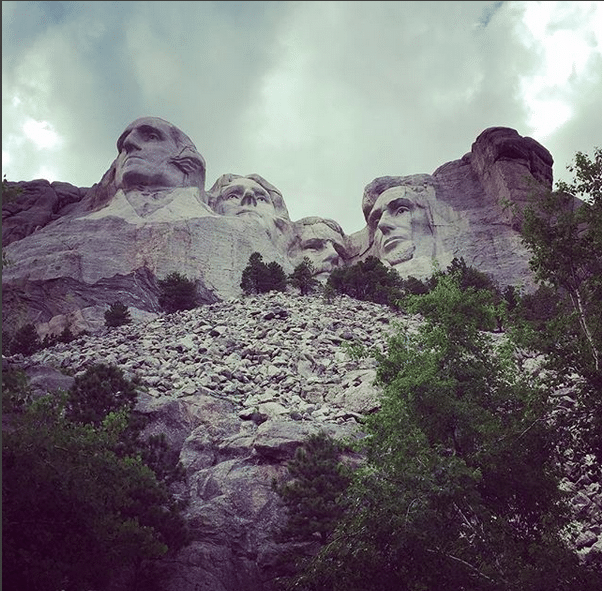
column 100, row 390
column 177, row 293
column 117, row 315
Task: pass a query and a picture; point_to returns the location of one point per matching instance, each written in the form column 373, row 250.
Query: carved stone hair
column 376, row 187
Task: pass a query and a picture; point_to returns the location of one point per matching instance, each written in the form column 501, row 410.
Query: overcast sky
column 319, row 98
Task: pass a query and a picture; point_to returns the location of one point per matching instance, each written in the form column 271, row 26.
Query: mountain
column 73, row 251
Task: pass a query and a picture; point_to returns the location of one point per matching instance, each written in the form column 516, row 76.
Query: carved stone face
column 151, row 155
column 243, row 197
column 397, row 221
column 320, row 243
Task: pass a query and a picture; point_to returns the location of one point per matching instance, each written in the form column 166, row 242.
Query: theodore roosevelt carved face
column 154, row 154
column 320, row 240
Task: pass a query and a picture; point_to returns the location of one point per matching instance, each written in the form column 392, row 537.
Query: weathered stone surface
column 38, row 203
column 214, row 378
column 75, row 251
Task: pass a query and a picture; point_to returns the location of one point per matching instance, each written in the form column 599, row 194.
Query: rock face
column 236, row 386
column 72, row 251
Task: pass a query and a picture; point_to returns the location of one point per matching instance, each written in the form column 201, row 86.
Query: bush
column 117, row 315
column 100, row 390
column 177, row 293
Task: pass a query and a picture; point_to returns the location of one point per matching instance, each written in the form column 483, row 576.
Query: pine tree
column 302, row 277
column 117, row 315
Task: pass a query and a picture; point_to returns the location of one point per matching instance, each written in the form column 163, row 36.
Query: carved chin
column 399, row 253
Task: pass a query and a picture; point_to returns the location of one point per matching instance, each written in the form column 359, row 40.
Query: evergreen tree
column 302, row 277
column 313, row 497
column 177, row 293
column 460, row 489
column 258, row 277
column 117, row 315
column 25, row 341
column 254, row 277
column 368, row 280
column 277, row 279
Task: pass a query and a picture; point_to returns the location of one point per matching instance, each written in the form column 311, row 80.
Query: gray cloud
column 317, row 97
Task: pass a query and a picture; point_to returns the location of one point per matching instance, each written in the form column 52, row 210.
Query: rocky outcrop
column 236, row 386
column 72, row 251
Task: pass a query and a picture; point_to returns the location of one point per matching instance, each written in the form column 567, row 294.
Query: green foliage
column 460, row 489
column 368, row 280
column 258, row 277
column 313, row 497
column 303, row 277
column 117, row 315
column 564, row 236
column 177, row 293
column 101, row 389
column 25, row 341
column 277, row 277
column 80, row 504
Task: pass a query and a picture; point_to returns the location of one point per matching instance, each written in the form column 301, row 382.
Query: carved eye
column 151, row 136
column 261, row 196
column 402, row 209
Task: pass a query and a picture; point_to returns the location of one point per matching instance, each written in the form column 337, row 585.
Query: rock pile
column 236, row 386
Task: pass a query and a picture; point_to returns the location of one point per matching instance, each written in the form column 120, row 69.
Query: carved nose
column 130, row 144
column 249, row 198
column 331, row 254
column 386, row 224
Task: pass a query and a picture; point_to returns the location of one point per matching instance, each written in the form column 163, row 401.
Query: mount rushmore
column 73, row 251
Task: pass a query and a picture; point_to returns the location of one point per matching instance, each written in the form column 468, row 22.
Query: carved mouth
column 391, row 242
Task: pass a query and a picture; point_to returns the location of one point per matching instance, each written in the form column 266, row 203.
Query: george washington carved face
column 153, row 154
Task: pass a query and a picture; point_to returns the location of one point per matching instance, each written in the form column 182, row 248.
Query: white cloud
column 318, row 97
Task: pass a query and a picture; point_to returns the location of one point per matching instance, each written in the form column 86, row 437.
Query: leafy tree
column 117, row 315
column 368, row 280
column 460, row 489
column 74, row 513
column 82, row 501
column 177, row 293
column 303, row 277
column 562, row 229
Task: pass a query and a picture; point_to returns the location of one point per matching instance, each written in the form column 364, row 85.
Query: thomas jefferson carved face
column 244, row 197
column 155, row 154
column 398, row 218
column 321, row 241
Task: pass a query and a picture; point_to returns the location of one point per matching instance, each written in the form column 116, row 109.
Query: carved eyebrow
column 401, row 201
column 150, row 129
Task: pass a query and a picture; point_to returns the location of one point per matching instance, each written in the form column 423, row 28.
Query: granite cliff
column 73, row 251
